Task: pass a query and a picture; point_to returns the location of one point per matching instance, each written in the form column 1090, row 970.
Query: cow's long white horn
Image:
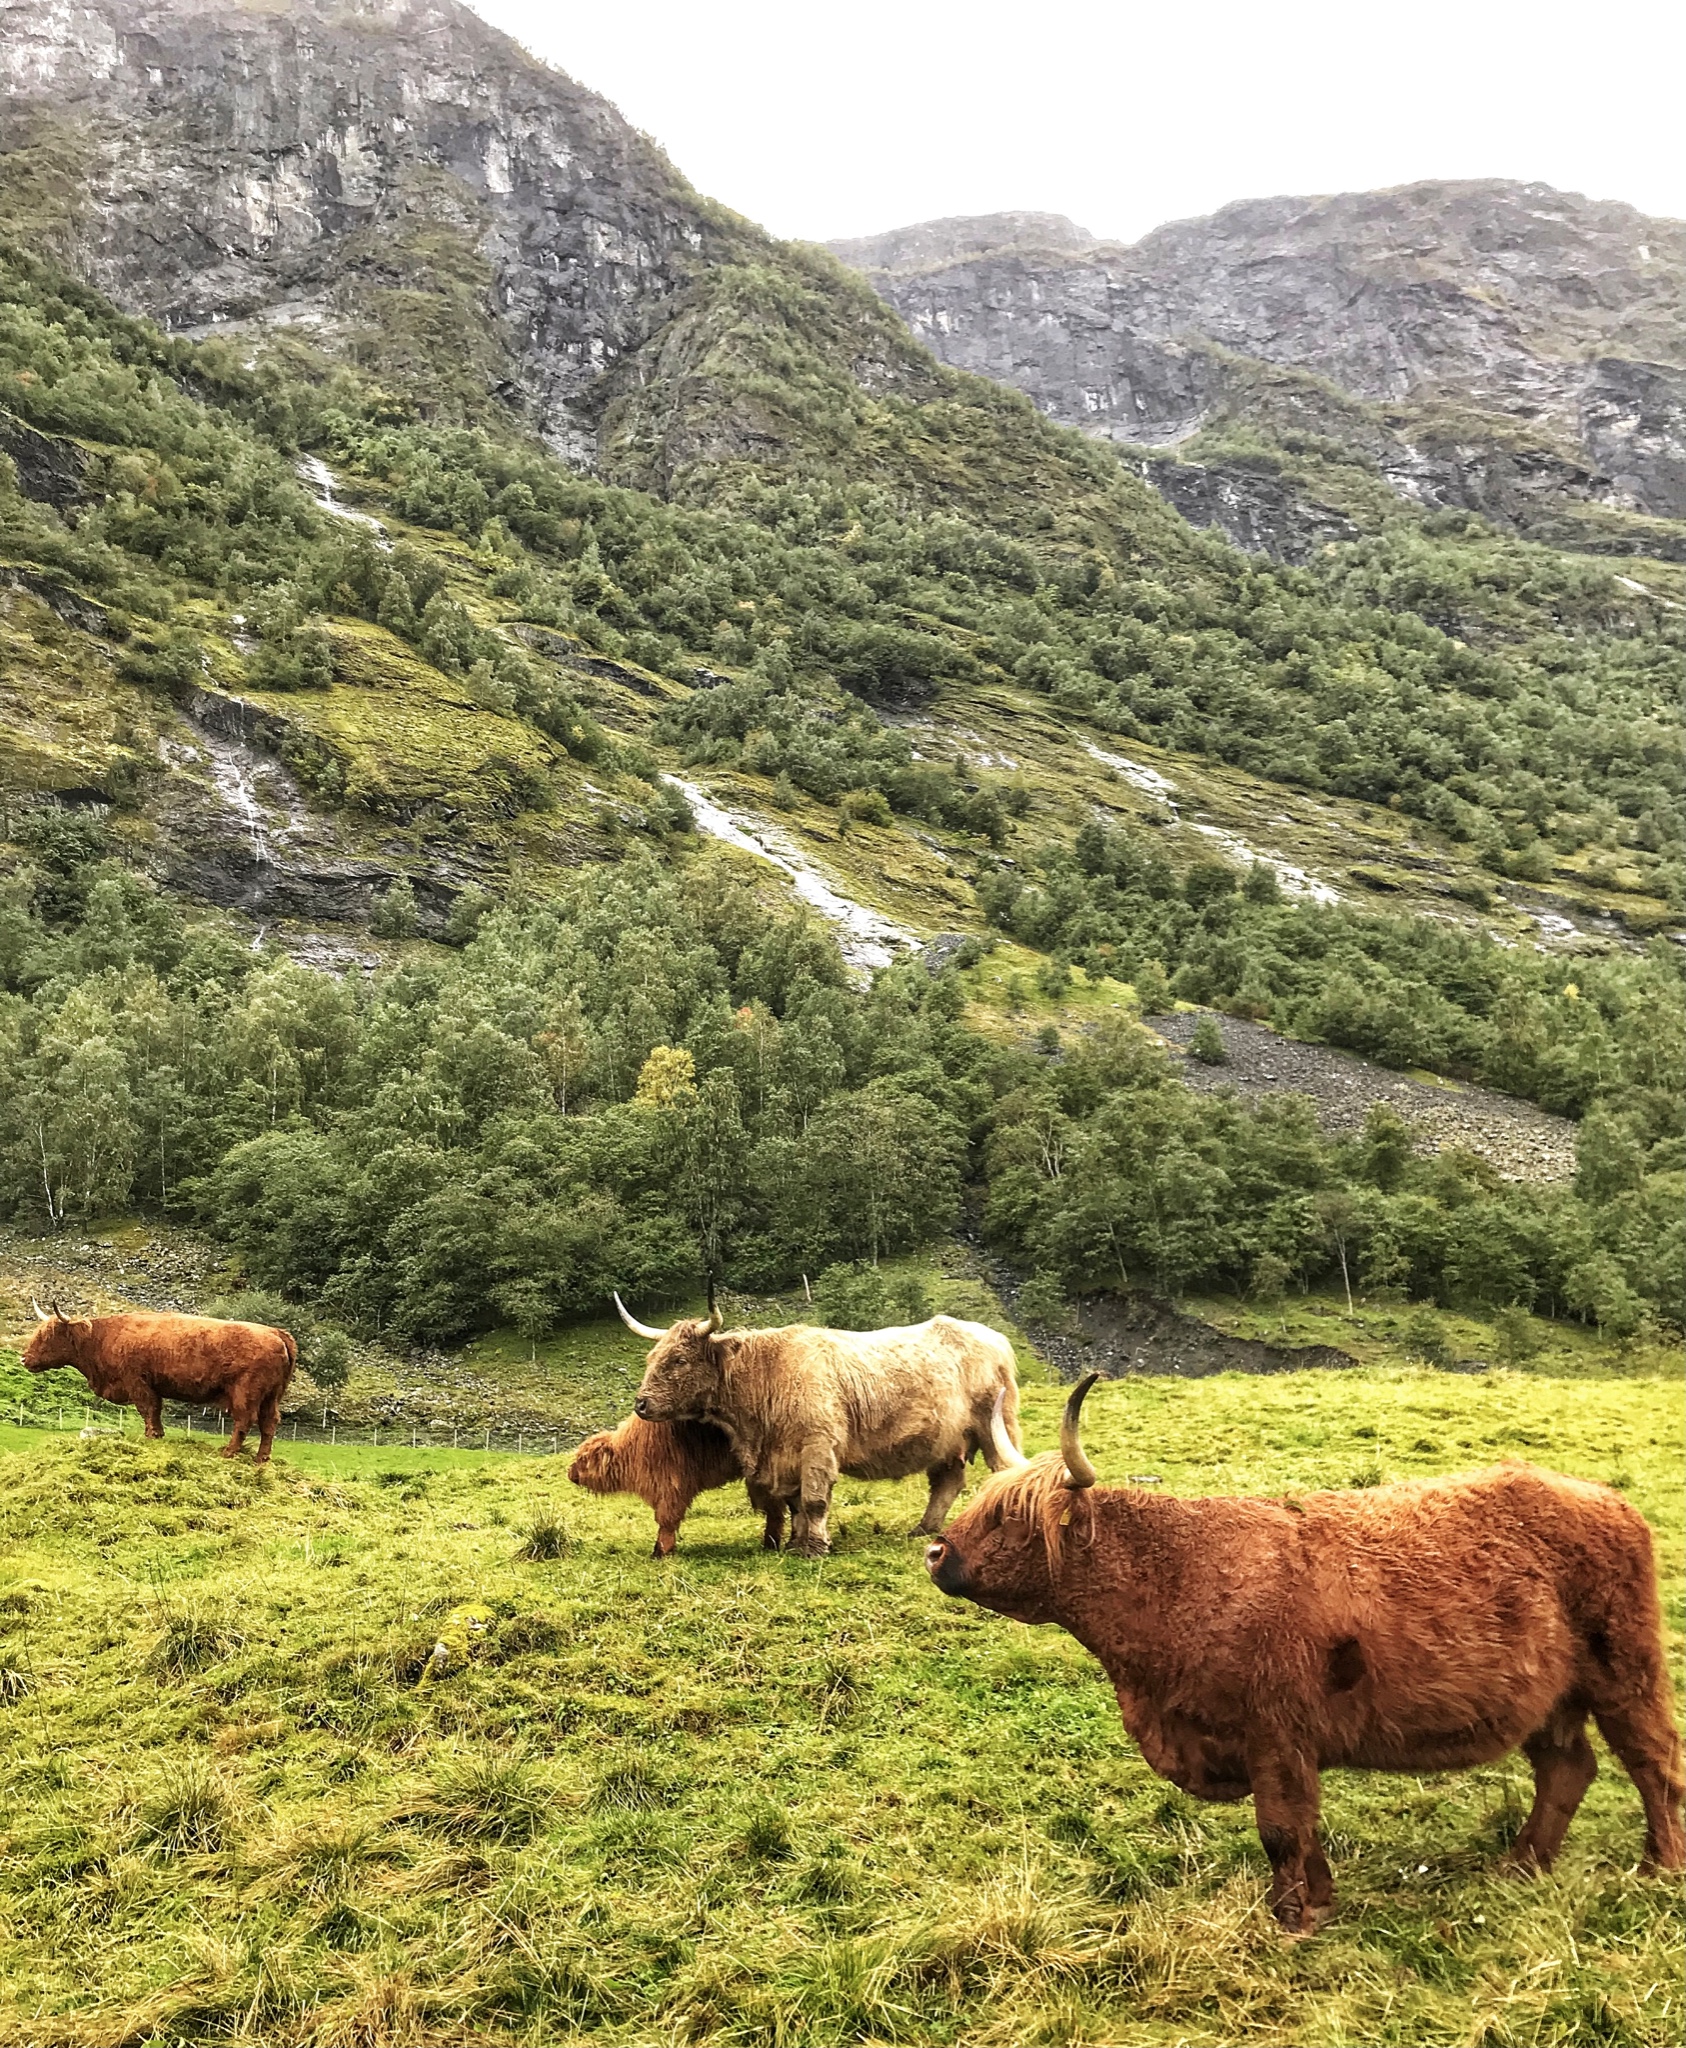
column 41, row 1315
column 1005, row 1448
column 1078, row 1471
column 715, row 1319
column 637, row 1328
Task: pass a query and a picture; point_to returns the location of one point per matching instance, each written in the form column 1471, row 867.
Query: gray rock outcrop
column 1500, row 347
column 304, row 166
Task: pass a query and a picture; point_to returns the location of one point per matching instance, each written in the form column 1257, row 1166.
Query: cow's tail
column 290, row 1346
column 1009, row 1384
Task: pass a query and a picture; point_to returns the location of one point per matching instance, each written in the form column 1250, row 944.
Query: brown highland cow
column 146, row 1360
column 667, row 1464
column 1420, row 1627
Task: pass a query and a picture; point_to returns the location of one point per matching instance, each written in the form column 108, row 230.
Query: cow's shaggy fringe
column 1038, row 1494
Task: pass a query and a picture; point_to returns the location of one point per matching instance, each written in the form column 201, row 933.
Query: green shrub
column 1207, row 1043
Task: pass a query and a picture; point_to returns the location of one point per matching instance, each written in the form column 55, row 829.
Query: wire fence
column 104, row 1418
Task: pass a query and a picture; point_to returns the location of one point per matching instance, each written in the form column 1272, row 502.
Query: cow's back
column 1427, row 1624
column 189, row 1358
column 909, row 1396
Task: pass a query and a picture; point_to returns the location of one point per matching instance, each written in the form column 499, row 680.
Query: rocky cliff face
column 371, row 171
column 1511, row 349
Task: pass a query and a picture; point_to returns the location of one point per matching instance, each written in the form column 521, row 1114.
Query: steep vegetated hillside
column 1319, row 364
column 367, row 632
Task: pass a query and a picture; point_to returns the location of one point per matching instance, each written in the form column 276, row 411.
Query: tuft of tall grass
column 628, row 1789
column 186, row 1813
column 481, row 1797
column 837, row 1690
column 187, row 1643
column 544, row 1540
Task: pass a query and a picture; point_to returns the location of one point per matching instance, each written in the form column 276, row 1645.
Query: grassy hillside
column 736, row 1798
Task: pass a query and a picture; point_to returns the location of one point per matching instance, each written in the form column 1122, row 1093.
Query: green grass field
column 735, row 1798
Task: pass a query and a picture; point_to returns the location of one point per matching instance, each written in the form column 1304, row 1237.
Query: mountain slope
column 1502, row 347
column 313, row 625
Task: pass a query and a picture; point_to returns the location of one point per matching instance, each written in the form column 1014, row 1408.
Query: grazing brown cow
column 667, row 1464
column 801, row 1405
column 146, row 1360
column 1419, row 1627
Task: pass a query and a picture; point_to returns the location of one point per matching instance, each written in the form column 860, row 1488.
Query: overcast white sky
column 822, row 121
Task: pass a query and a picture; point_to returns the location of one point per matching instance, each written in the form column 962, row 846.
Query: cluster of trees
column 828, row 743
column 652, row 1079
column 1530, row 710
column 1100, row 1174
column 1407, row 991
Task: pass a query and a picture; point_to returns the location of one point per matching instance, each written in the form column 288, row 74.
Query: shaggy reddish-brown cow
column 1419, row 1627
column 146, row 1360
column 801, row 1405
column 667, row 1464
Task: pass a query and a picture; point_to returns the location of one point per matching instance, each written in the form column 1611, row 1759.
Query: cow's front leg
column 151, row 1409
column 946, row 1482
column 1286, row 1798
column 809, row 1536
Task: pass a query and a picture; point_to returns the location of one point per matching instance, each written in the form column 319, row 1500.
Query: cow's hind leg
column 151, row 1407
column 269, row 1421
column 242, row 1416
column 1644, row 1738
column 1286, row 1800
column 946, row 1482
column 770, row 1508
column 1564, row 1766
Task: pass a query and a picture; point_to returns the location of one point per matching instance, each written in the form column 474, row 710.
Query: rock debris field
column 1518, row 1140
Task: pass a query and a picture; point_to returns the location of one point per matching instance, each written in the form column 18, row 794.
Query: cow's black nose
column 641, row 1408
column 947, row 1568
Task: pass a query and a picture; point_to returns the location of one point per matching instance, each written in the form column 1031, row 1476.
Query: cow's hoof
column 810, row 1546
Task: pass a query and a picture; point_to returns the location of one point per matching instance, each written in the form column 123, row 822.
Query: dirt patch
column 1122, row 1335
column 1522, row 1142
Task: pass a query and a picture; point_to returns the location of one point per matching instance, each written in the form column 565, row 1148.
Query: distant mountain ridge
column 1497, row 346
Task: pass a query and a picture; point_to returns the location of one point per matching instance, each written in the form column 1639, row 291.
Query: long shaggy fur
column 1253, row 1643
column 146, row 1360
column 666, row 1464
column 802, row 1405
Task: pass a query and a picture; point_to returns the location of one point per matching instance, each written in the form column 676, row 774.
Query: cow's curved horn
column 1005, row 1448
column 41, row 1315
column 715, row 1319
column 1078, row 1471
column 637, row 1328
